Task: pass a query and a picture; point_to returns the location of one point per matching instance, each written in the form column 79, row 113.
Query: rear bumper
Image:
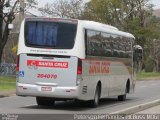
column 56, row 92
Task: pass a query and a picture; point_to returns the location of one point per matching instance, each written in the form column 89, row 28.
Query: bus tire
column 43, row 101
column 123, row 97
column 95, row 101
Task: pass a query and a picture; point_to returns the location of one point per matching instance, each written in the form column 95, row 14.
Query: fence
column 7, row 69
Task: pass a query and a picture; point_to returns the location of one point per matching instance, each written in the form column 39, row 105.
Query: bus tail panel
column 45, row 70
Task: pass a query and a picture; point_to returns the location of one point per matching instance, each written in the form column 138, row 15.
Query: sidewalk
column 152, row 110
column 7, row 93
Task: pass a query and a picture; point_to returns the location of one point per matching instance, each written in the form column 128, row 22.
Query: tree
column 9, row 55
column 146, row 29
column 104, row 11
column 134, row 16
column 64, row 8
column 7, row 18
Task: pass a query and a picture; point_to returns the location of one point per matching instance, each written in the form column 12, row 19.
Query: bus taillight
column 17, row 66
column 79, row 67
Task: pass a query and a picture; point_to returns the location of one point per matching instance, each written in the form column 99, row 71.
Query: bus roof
column 104, row 27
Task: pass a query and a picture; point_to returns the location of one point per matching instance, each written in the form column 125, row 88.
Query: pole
column 21, row 14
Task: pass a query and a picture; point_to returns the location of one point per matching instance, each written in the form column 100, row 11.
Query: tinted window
column 106, row 45
column 115, row 41
column 50, row 34
column 128, row 48
column 94, row 46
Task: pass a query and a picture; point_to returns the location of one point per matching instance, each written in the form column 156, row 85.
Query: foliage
column 63, row 8
column 105, row 11
column 14, row 49
column 149, row 65
column 7, row 18
column 131, row 16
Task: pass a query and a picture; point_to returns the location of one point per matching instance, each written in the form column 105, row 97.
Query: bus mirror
column 138, row 53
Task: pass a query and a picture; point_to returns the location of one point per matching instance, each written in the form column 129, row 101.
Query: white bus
column 61, row 59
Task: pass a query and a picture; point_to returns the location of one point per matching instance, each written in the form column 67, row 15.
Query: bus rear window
column 45, row 34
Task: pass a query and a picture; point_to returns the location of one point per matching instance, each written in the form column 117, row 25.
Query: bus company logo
column 97, row 67
column 36, row 63
column 32, row 64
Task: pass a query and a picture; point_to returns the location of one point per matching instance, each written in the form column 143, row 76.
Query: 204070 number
column 47, row 76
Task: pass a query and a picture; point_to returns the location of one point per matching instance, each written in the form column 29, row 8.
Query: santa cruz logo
column 36, row 63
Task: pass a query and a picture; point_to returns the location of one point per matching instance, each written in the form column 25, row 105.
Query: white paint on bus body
column 113, row 73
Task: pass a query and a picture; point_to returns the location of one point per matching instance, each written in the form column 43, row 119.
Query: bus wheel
column 123, row 97
column 43, row 101
column 95, row 101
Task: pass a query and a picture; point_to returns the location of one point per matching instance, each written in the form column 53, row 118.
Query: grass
column 7, row 83
column 148, row 76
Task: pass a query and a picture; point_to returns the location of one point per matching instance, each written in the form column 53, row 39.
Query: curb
column 148, row 78
column 138, row 108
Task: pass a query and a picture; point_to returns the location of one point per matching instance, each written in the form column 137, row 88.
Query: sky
column 156, row 3
column 43, row 2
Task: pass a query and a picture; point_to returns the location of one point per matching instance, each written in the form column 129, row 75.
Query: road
column 145, row 91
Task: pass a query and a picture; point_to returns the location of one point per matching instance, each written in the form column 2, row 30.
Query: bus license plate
column 46, row 88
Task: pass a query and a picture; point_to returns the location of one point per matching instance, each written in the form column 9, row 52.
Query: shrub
column 149, row 65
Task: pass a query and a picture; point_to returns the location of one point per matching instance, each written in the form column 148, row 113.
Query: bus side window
column 106, row 43
column 90, row 42
column 86, row 40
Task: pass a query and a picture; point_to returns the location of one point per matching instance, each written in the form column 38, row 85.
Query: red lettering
column 47, row 64
column 99, row 67
column 47, row 76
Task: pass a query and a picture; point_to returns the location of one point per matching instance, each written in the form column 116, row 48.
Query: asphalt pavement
column 145, row 97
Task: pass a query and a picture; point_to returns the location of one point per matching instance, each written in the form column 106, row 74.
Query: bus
column 68, row 59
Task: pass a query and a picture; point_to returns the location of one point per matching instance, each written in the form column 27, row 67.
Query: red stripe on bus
column 47, row 64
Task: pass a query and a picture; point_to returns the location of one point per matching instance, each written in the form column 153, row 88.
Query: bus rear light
column 17, row 66
column 79, row 67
